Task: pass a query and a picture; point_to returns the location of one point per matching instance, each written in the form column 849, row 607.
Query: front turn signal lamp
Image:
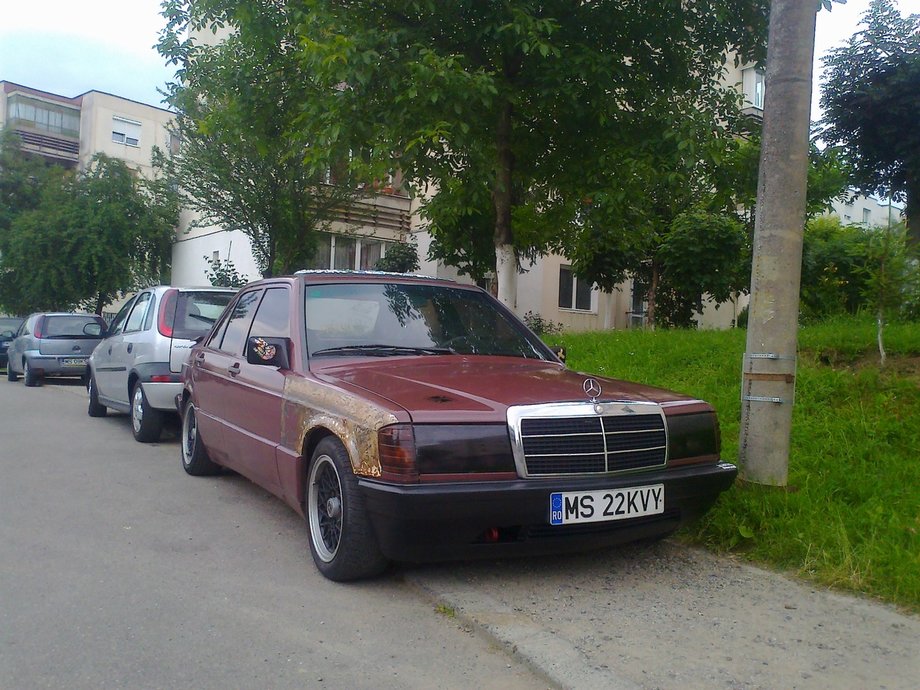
column 396, row 446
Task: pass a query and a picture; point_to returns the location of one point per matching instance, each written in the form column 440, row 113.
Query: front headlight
column 693, row 438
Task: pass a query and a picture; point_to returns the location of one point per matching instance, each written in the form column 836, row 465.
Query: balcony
column 63, row 150
column 386, row 211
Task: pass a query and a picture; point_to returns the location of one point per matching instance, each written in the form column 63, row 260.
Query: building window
column 343, row 253
column 759, row 81
column 867, row 217
column 371, row 251
column 574, row 293
column 127, row 132
column 754, row 86
column 44, row 116
column 638, row 308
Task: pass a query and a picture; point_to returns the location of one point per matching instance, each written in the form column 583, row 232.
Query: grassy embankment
column 850, row 517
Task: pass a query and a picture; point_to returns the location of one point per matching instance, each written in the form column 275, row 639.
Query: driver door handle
column 234, row 369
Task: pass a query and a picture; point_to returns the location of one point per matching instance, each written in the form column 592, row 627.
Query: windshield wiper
column 377, row 350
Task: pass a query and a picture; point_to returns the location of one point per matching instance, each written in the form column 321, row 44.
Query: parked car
column 53, row 344
column 413, row 419
column 136, row 368
column 9, row 326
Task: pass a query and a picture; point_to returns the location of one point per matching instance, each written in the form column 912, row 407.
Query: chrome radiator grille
column 620, row 438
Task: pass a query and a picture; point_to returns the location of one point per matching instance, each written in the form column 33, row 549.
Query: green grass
column 850, row 517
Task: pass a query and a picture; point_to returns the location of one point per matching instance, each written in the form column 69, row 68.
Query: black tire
column 29, row 377
column 146, row 422
column 10, row 374
column 195, row 458
column 341, row 538
column 95, row 408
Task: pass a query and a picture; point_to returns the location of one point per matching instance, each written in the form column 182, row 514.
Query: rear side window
column 71, row 326
column 196, row 312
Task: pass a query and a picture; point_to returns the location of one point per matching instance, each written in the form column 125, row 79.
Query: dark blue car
column 8, row 327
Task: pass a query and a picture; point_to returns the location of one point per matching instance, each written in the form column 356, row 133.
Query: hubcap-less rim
column 189, row 435
column 325, row 506
column 137, row 409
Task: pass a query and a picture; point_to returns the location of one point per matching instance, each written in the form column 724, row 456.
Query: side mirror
column 559, row 351
column 94, row 329
column 7, row 334
column 272, row 352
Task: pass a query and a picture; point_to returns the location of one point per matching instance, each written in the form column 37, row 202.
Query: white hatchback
column 136, row 368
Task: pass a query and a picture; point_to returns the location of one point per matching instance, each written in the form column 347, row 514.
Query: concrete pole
column 768, row 370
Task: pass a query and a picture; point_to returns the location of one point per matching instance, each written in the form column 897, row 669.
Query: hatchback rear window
column 196, row 312
column 71, row 327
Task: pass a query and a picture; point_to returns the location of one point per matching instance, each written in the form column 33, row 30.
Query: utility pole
column 769, row 367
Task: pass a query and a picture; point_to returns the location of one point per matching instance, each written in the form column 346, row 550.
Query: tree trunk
column 652, row 298
column 912, row 211
column 768, row 373
column 506, row 267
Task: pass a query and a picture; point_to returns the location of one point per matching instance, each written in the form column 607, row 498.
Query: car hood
column 461, row 389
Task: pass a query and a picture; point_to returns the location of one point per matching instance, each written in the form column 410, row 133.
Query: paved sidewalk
column 667, row 616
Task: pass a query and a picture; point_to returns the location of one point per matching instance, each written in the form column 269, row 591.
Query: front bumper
column 427, row 522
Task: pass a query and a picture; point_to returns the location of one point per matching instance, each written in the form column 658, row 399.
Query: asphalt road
column 119, row 571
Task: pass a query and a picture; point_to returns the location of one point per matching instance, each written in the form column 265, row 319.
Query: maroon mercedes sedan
column 416, row 419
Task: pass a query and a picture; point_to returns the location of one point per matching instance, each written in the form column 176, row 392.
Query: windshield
column 403, row 319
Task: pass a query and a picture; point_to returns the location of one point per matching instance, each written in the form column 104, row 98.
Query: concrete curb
column 545, row 652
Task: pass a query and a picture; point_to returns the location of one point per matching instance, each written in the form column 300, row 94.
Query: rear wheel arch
column 132, row 379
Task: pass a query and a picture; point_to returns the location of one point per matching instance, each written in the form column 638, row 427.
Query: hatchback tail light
column 396, row 445
column 167, row 317
column 39, row 322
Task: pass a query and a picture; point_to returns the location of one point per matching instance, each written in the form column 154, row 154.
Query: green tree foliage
column 871, row 98
column 223, row 273
column 87, row 238
column 849, row 268
column 516, row 111
column 833, row 257
column 238, row 96
column 736, row 179
column 401, row 257
column 699, row 257
column 22, row 179
column 892, row 279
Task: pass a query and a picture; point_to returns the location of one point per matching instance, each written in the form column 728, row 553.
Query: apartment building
column 70, row 130
column 357, row 238
column 867, row 211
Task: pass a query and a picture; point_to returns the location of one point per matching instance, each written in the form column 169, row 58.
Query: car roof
column 190, row 288
column 64, row 313
column 378, row 277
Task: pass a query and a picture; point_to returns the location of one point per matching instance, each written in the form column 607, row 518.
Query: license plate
column 73, row 362
column 572, row 507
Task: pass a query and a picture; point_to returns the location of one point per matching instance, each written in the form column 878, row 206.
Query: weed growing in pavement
column 850, row 517
column 446, row 611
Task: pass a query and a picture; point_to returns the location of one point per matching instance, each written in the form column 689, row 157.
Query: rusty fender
column 309, row 405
